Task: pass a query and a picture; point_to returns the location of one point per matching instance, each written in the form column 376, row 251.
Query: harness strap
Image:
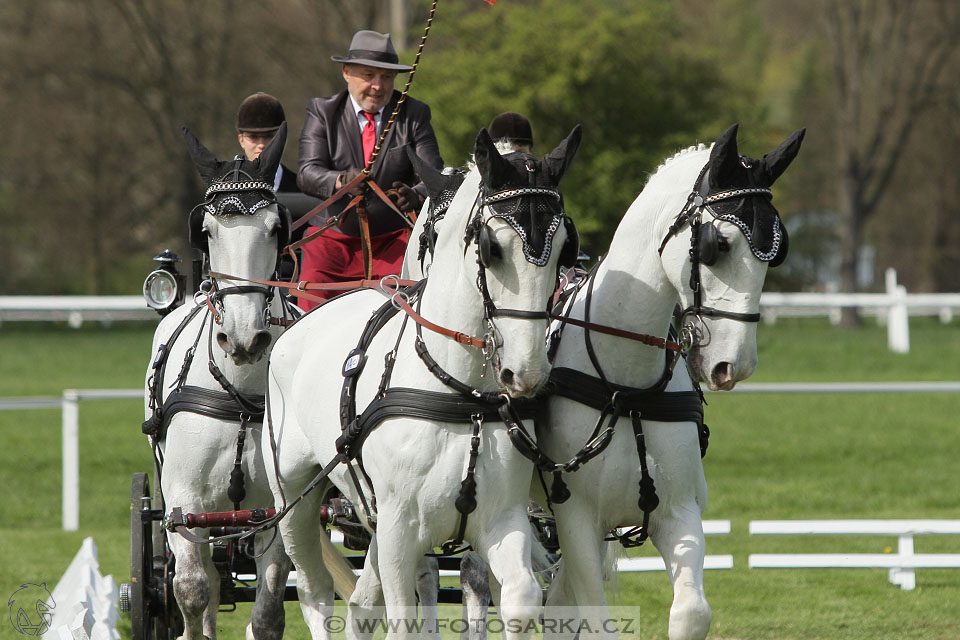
column 653, row 341
column 654, row 403
column 205, row 402
column 648, row 500
column 236, row 491
column 365, row 249
column 152, row 426
column 466, row 501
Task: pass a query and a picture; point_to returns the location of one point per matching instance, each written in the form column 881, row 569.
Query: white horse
column 704, row 220
column 198, row 417
column 415, row 466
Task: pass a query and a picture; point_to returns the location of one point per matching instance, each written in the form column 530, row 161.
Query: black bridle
column 692, row 214
column 473, row 234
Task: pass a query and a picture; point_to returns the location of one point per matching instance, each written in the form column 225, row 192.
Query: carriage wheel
column 141, row 559
column 169, row 621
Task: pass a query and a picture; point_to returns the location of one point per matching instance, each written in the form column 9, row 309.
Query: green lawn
column 771, row 457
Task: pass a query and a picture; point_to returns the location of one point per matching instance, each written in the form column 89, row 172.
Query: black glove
column 405, row 197
column 346, row 177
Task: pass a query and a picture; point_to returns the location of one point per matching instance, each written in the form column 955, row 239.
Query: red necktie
column 369, row 136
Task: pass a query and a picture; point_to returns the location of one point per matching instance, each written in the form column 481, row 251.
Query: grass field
column 770, row 457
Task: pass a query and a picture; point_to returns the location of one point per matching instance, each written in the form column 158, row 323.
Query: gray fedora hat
column 372, row 49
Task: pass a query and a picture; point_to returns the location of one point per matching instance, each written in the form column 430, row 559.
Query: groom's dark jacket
column 330, row 144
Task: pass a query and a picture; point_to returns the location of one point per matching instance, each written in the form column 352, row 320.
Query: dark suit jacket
column 288, row 180
column 330, row 143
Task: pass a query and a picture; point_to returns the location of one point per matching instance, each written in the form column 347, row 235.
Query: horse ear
column 558, row 161
column 269, row 160
column 431, row 178
column 493, row 168
column 203, row 159
column 776, row 162
column 724, row 158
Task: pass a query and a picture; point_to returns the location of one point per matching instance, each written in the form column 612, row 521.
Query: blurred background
column 95, row 179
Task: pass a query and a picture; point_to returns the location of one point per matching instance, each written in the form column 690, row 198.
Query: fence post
column 70, row 419
column 905, row 578
column 898, row 321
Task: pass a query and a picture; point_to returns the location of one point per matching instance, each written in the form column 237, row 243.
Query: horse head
column 724, row 240
column 241, row 229
column 518, row 232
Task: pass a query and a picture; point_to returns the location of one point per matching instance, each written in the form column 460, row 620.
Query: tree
column 888, row 59
column 97, row 179
column 623, row 69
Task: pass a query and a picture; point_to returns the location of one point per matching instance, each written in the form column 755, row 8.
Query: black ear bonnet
column 754, row 215
column 236, row 187
column 535, row 217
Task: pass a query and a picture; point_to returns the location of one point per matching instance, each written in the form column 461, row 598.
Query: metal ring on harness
column 394, row 293
column 692, row 333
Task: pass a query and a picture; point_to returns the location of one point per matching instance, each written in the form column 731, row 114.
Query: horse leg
column 475, row 581
column 300, row 529
column 365, row 607
column 400, row 550
column 428, row 592
column 676, row 528
column 560, row 617
column 273, row 567
column 506, row 545
column 582, row 572
column 196, row 587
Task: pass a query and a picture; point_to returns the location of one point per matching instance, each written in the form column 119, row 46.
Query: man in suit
column 258, row 119
column 338, row 138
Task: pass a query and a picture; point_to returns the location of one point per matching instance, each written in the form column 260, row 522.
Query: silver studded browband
column 257, row 185
column 522, row 191
column 736, row 193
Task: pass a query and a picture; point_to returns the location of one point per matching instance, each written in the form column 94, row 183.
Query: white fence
column 74, row 310
column 901, row 564
column 893, row 308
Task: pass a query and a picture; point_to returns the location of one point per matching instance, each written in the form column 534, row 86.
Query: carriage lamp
column 165, row 287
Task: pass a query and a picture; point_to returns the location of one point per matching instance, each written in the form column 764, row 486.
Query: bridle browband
column 691, row 214
column 483, row 199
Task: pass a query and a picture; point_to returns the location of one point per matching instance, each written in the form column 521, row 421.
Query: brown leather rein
column 396, row 296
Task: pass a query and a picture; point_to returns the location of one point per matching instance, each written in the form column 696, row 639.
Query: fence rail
column 893, row 308
column 901, row 565
column 70, row 418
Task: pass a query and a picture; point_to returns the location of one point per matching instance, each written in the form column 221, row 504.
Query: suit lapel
column 351, row 129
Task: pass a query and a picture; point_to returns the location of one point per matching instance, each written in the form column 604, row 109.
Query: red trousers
column 335, row 257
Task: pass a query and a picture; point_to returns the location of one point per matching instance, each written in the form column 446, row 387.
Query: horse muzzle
column 247, row 349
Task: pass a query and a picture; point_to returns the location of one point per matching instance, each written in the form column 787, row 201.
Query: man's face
column 253, row 143
column 370, row 87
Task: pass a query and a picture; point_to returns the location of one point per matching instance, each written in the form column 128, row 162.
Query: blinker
column 488, row 246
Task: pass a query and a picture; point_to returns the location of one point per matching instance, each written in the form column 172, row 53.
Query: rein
column 397, row 297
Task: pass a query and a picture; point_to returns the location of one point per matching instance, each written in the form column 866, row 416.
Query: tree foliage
column 621, row 69
column 95, row 179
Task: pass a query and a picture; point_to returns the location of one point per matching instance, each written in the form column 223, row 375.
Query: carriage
column 508, row 215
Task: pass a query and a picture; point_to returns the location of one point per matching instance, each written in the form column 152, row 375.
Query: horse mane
column 679, row 154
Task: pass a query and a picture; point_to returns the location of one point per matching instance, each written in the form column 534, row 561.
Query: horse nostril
column 260, row 342
column 506, row 377
column 723, row 372
column 223, row 341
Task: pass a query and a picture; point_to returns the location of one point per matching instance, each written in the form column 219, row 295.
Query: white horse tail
column 612, row 553
column 344, row 579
